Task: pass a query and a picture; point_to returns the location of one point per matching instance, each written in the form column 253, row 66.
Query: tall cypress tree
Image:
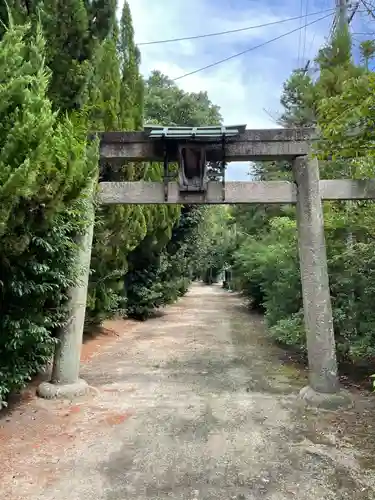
column 73, row 29
column 102, row 17
column 66, row 25
column 44, row 167
column 119, row 229
column 131, row 81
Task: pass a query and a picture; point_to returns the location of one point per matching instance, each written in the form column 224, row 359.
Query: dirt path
column 195, row 404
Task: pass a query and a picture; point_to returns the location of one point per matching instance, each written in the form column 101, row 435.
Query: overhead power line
column 368, row 6
column 238, row 30
column 353, row 12
column 249, row 49
column 305, row 30
column 300, row 31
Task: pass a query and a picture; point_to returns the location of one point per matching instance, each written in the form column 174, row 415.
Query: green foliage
column 161, row 267
column 340, row 102
column 367, row 48
column 347, row 123
column 131, row 99
column 269, row 270
column 104, row 88
column 69, row 68
column 297, row 100
column 66, row 29
column 167, row 104
column 101, row 16
column 352, row 274
column 217, row 241
column 110, row 96
column 45, row 165
column 72, row 28
column 290, row 332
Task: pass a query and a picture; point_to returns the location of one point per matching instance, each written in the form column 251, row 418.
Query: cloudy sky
column 247, row 88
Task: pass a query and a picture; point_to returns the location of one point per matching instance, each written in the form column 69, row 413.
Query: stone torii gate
column 194, row 149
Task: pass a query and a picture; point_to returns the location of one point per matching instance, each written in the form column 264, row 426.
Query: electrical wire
column 333, row 27
column 368, row 6
column 368, row 3
column 311, row 45
column 309, row 53
column 305, row 31
column 353, row 12
column 232, row 31
column 300, row 33
column 248, row 50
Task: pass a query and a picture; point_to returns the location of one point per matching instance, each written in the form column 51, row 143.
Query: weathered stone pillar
column 65, row 381
column 323, row 389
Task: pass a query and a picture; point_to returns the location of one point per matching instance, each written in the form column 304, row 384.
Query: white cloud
column 246, row 88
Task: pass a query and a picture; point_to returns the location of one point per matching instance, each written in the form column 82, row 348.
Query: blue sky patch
column 247, row 88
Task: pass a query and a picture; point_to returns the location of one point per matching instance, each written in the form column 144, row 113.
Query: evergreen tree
column 102, row 18
column 340, row 103
column 86, row 77
column 118, row 229
column 20, row 11
column 161, row 267
column 131, row 101
column 72, row 28
column 298, row 101
column 66, row 26
column 45, row 165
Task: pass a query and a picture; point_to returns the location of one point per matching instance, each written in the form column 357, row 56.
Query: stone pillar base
column 341, row 399
column 48, row 390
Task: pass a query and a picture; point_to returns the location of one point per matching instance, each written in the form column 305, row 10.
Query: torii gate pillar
column 323, row 389
column 65, row 380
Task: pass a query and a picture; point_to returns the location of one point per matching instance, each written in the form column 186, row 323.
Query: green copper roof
column 208, row 132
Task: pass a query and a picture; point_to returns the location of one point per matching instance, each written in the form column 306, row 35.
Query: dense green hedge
column 266, row 262
column 267, row 271
column 45, row 165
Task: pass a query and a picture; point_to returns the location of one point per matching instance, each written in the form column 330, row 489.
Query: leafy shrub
column 269, row 270
column 352, row 279
column 269, row 277
column 290, row 331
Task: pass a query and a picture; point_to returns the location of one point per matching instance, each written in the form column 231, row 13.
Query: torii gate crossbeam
column 248, row 192
column 307, row 192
